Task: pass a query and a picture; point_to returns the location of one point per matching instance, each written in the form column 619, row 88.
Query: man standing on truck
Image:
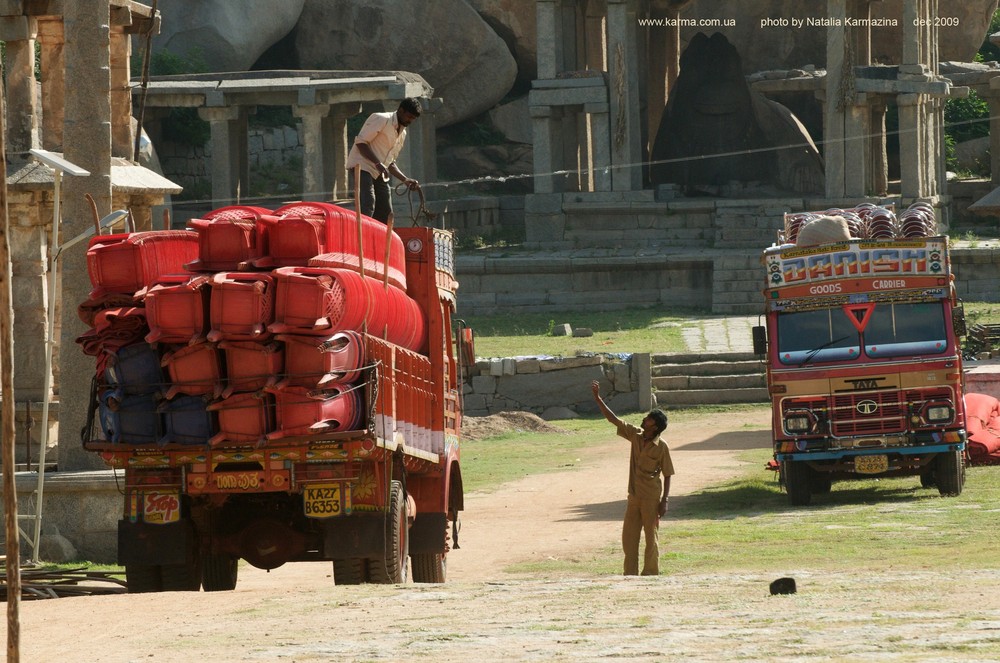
column 375, row 150
column 649, row 458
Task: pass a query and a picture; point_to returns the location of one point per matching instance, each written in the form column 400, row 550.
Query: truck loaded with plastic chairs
column 861, row 343
column 278, row 386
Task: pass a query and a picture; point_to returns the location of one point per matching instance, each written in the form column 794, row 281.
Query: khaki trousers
column 641, row 516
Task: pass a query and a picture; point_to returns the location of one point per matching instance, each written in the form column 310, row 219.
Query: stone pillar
column 856, row 140
column 594, row 38
column 549, row 38
column 911, row 32
column 994, row 104
column 835, row 104
column 230, row 171
column 122, row 138
column 878, row 157
column 314, row 177
column 910, row 134
column 19, row 34
column 87, row 135
column 623, row 78
column 660, row 55
column 574, row 149
column 601, row 140
column 29, row 248
column 339, row 148
column 545, row 142
column 53, row 65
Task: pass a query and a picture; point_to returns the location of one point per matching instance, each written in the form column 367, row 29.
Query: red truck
column 861, row 343
column 302, row 410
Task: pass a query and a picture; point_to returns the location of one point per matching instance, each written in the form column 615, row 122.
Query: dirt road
column 485, row 613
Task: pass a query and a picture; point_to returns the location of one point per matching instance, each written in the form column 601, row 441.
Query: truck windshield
column 816, row 336
column 892, row 330
column 906, row 329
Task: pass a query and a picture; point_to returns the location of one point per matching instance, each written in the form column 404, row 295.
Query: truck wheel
column 142, row 578
column 219, row 573
column 927, row 478
column 429, row 567
column 797, row 476
column 950, row 473
column 820, row 483
column 391, row 569
column 348, row 571
column 184, row 577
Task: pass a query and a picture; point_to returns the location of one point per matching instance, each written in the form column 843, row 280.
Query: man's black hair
column 660, row 418
column 411, row 105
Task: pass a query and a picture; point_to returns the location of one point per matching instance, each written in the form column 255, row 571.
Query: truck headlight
column 939, row 413
column 798, row 422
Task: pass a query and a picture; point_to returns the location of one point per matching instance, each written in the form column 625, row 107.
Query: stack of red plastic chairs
column 982, row 423
column 251, row 319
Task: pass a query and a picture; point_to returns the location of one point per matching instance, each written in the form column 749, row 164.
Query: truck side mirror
column 466, row 344
column 958, row 321
column 759, row 340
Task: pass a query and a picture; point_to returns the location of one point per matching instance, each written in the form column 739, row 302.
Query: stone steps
column 708, row 379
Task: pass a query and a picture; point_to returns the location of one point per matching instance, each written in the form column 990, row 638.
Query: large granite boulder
column 712, row 111
column 778, row 45
column 225, row 36
column 446, row 42
column 515, row 22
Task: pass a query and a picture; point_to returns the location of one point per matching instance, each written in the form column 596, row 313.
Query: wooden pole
column 361, row 243
column 13, row 560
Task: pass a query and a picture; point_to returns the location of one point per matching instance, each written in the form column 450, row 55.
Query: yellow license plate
column 326, row 500
column 875, row 464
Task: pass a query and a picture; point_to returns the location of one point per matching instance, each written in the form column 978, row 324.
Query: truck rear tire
column 219, row 573
column 797, row 480
column 429, row 567
column 348, row 571
column 391, row 568
column 950, row 473
column 184, row 577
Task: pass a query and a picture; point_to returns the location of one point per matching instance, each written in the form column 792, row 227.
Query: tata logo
column 866, row 407
column 869, row 383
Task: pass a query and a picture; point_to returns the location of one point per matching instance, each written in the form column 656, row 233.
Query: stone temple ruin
column 625, row 208
column 630, row 201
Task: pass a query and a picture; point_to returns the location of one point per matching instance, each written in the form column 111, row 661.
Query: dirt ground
column 485, row 613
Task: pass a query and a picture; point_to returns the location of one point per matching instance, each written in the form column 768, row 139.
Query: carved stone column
column 230, row 165
column 53, row 64
column 22, row 126
column 314, row 177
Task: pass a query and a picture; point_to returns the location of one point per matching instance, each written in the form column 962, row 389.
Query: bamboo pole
column 361, row 252
column 13, row 556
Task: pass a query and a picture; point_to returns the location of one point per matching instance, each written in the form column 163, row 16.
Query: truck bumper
column 850, row 453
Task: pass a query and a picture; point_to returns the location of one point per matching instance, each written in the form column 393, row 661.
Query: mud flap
column 144, row 544
column 354, row 536
column 428, row 533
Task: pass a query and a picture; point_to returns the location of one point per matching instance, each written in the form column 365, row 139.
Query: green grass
column 491, row 462
column 630, row 330
column 985, row 313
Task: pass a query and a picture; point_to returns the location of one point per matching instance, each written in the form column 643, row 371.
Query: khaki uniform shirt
column 647, row 462
column 382, row 133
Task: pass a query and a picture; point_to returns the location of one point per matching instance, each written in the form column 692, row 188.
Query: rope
column 422, row 210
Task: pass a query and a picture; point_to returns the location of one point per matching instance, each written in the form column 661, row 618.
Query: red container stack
column 230, row 238
column 315, row 361
column 242, row 306
column 126, row 264
column 209, row 298
column 177, row 309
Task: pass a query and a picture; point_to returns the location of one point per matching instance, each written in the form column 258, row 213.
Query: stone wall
column 538, row 384
column 267, row 147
